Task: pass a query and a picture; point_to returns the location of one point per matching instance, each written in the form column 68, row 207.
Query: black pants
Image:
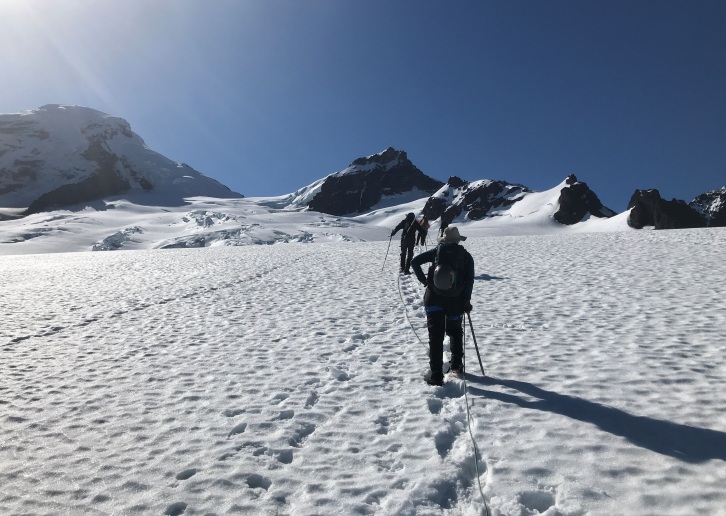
column 421, row 238
column 406, row 255
column 440, row 324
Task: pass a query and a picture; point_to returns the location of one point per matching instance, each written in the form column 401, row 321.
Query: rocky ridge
column 369, row 180
column 712, row 207
column 477, row 200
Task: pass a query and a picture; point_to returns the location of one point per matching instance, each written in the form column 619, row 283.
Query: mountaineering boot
column 434, row 378
column 456, row 365
column 457, row 371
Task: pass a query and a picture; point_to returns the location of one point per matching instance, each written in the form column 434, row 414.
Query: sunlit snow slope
column 287, row 379
column 118, row 224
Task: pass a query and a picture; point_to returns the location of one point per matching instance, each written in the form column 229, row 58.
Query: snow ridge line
column 53, row 330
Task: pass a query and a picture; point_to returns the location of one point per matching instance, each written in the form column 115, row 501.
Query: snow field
column 287, row 379
column 611, row 345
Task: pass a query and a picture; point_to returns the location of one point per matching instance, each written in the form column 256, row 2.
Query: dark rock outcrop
column 367, row 180
column 649, row 209
column 105, row 183
column 476, row 199
column 712, row 207
column 576, row 201
column 486, row 198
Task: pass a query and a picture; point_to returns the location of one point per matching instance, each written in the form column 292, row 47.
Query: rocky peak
column 712, row 207
column 647, row 208
column 368, row 180
column 475, row 199
column 387, row 156
column 456, row 182
column 576, row 201
column 487, row 198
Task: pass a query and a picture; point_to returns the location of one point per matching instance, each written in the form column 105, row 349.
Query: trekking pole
column 389, row 247
column 476, row 347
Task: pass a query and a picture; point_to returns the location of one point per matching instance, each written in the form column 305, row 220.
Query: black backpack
column 446, row 275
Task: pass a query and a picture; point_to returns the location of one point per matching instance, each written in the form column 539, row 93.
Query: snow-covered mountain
column 117, row 223
column 712, row 207
column 76, row 179
column 462, row 200
column 60, row 155
column 379, row 190
column 368, row 183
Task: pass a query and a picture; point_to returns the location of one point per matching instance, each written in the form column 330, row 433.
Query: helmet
column 410, row 216
column 444, row 277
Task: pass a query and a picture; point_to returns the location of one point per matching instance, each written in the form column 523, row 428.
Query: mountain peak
column 712, row 207
column 387, row 156
column 371, row 181
column 61, row 155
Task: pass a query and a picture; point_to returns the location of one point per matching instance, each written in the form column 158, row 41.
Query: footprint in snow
column 350, row 347
column 186, row 474
column 445, row 439
column 435, row 405
column 383, row 424
column 301, row 434
column 312, row 400
column 256, row 481
column 237, row 430
column 540, row 501
column 279, row 398
column 339, row 375
column 175, row 509
column 285, row 457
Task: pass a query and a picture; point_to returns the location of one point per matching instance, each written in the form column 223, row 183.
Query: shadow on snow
column 487, row 277
column 684, row 442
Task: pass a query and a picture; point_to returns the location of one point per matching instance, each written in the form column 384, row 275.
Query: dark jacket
column 433, row 299
column 409, row 231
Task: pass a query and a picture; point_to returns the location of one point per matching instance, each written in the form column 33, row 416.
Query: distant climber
column 409, row 226
column 424, row 223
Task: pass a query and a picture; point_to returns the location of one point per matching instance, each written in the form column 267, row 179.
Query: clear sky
column 267, row 96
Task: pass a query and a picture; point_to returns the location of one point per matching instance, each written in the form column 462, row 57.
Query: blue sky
column 267, row 96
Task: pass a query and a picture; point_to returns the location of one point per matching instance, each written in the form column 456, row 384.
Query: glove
column 467, row 307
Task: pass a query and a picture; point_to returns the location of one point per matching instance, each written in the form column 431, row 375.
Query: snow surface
column 287, row 379
column 143, row 221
